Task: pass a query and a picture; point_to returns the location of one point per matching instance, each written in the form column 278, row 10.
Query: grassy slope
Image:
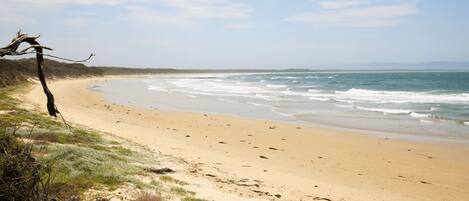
column 81, row 160
column 16, row 71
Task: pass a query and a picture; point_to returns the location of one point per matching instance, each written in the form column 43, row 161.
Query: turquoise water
column 435, row 95
column 421, row 103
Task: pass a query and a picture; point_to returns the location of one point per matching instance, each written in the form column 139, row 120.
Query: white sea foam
column 306, row 86
column 425, row 121
column 310, row 96
column 344, row 106
column 281, row 113
column 286, row 78
column 345, row 101
column 319, row 99
column 276, row 86
column 314, row 90
column 296, row 93
column 261, row 96
column 289, row 93
column 217, row 88
column 419, row 115
column 383, row 110
column 258, row 104
column 157, row 88
column 402, row 96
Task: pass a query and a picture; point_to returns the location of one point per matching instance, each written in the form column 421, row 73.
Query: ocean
column 423, row 104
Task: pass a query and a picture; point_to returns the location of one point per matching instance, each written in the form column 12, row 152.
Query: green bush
column 22, row 176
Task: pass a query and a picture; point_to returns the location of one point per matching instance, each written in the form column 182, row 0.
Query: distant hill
column 440, row 65
column 127, row 71
column 14, row 71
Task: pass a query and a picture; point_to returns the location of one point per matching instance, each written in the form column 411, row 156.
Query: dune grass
column 192, row 199
column 79, row 159
column 73, row 160
column 170, row 179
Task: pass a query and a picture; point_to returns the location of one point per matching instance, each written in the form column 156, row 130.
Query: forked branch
column 12, row 50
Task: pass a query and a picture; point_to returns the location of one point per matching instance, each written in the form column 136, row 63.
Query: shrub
column 22, row 176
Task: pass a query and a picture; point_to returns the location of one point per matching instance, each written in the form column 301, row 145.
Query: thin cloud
column 186, row 11
column 146, row 11
column 46, row 3
column 150, row 16
column 357, row 15
column 215, row 9
column 337, row 4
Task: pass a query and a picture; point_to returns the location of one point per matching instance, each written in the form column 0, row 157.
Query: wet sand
column 273, row 160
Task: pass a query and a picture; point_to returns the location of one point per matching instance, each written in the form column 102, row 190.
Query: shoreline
column 107, row 90
column 297, row 163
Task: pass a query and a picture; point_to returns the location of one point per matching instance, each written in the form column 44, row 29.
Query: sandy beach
column 276, row 160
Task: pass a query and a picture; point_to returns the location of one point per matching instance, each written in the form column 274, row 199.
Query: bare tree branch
column 12, row 49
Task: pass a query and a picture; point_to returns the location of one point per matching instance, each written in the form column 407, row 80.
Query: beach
column 277, row 160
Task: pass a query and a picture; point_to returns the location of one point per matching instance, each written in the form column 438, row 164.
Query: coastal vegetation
column 41, row 158
column 17, row 71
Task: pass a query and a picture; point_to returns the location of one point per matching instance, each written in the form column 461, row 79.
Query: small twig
column 71, row 60
column 65, row 122
column 53, row 56
column 36, row 46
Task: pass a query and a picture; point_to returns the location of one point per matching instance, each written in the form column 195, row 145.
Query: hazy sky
column 244, row 33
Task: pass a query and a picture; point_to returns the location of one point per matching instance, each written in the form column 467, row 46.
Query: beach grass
column 170, row 179
column 192, row 199
column 77, row 159
column 80, row 159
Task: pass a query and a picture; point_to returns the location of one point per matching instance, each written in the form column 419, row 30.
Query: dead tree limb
column 12, row 50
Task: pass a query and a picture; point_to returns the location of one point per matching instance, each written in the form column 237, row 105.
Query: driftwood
column 12, row 50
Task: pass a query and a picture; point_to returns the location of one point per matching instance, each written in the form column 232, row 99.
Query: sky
column 243, row 33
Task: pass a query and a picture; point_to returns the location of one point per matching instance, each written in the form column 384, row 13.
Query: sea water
column 405, row 102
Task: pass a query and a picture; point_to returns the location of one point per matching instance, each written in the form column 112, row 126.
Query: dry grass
column 76, row 159
column 144, row 196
